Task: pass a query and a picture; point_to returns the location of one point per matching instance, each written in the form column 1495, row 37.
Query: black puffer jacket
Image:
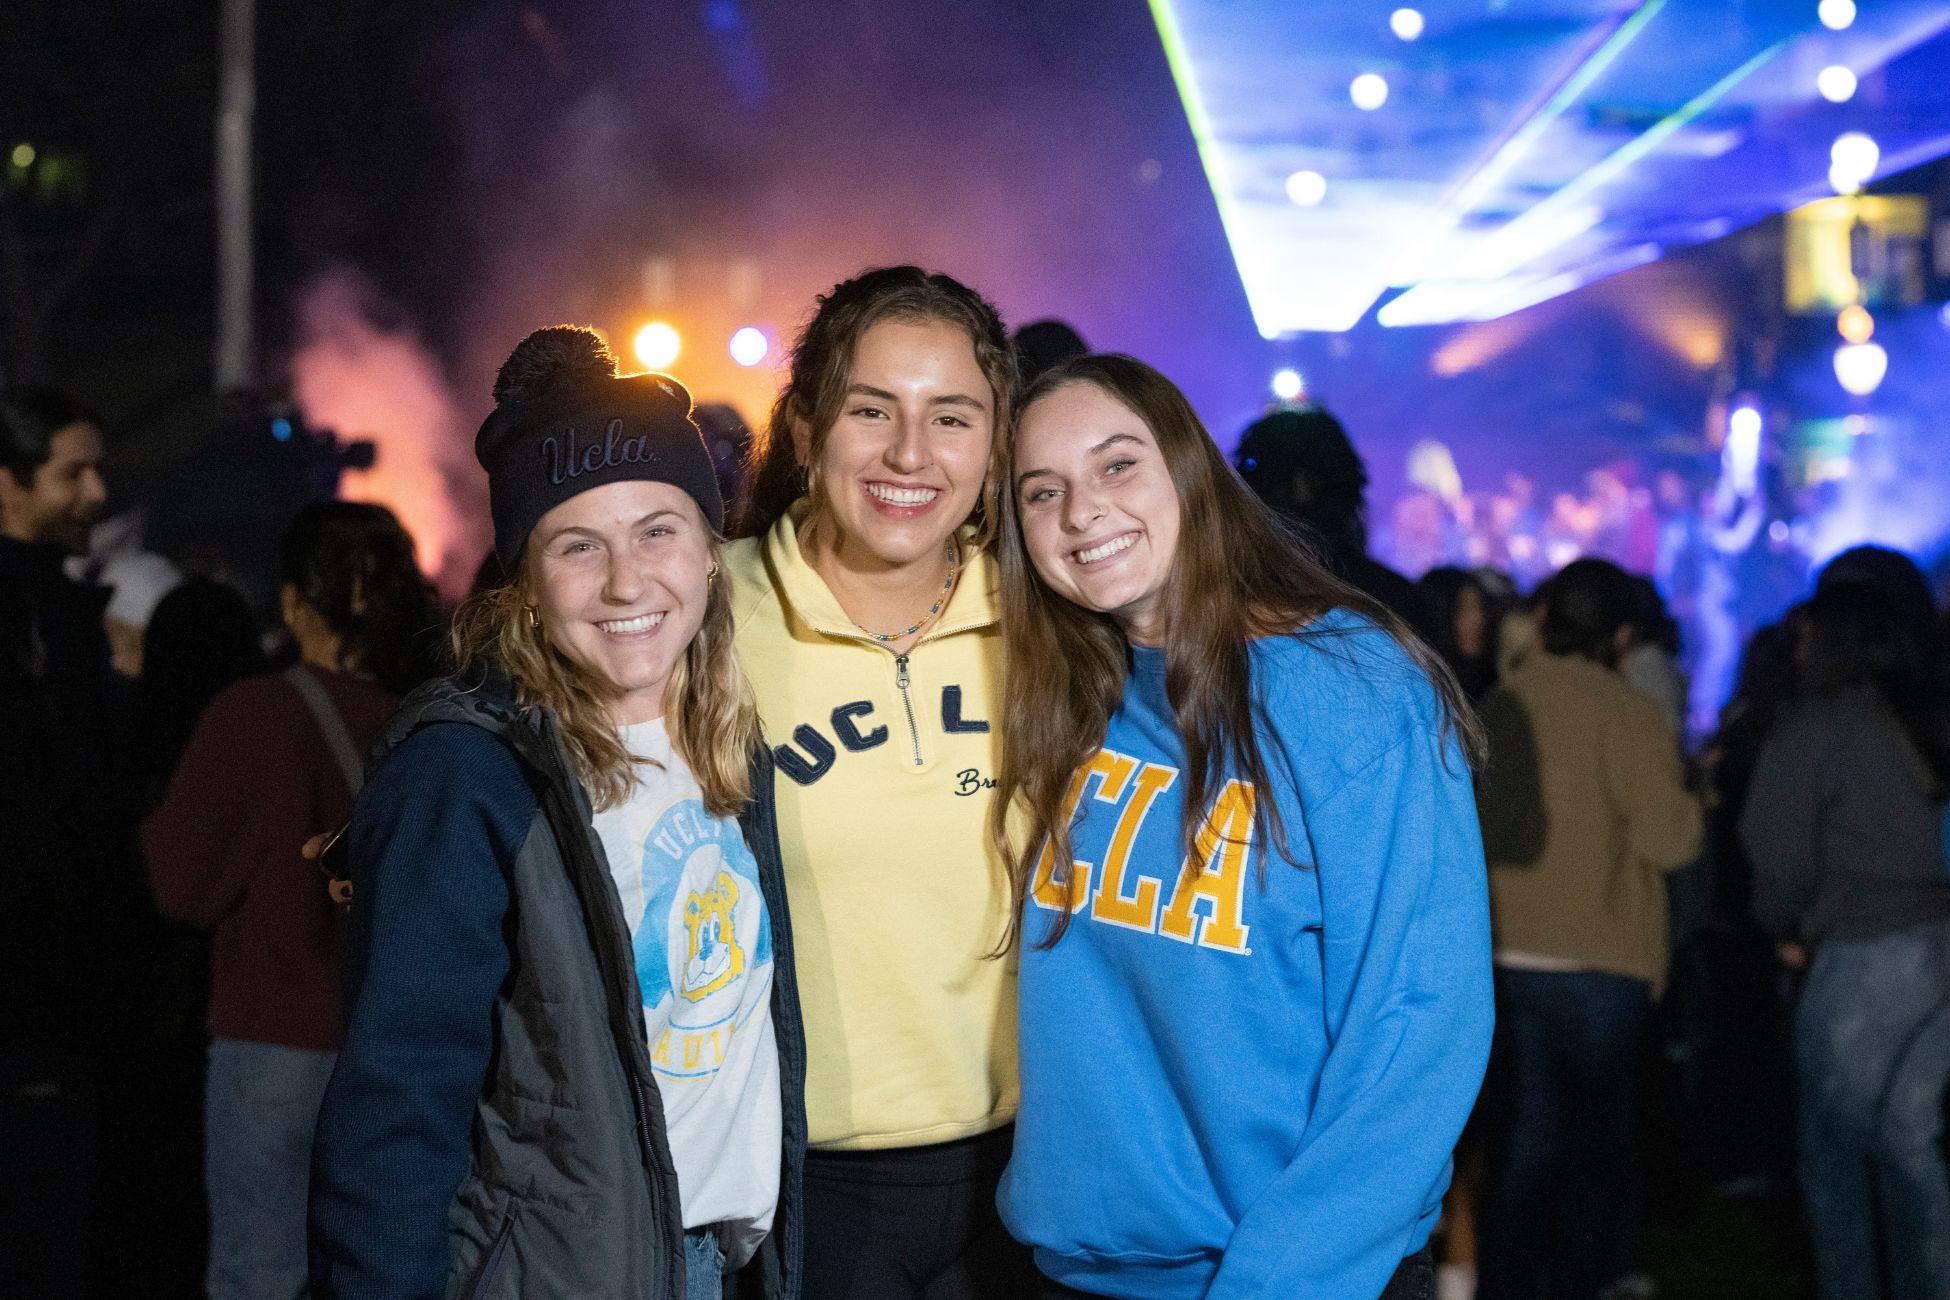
column 553, row 1178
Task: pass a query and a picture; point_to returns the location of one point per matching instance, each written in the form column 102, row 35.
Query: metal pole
column 236, row 106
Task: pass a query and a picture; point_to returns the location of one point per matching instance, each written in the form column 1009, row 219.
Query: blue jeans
column 703, row 1265
column 260, row 1105
column 1559, row 1125
column 1872, row 1051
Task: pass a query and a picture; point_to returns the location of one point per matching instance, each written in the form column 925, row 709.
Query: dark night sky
column 492, row 166
column 497, row 165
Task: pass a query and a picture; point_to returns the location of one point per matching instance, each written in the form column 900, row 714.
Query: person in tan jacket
column 1585, row 812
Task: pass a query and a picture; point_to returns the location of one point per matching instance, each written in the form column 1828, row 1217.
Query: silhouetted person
column 728, row 437
column 137, row 582
column 1463, row 618
column 1651, row 661
column 1745, row 1065
column 1045, row 343
column 1584, row 812
column 57, row 820
column 1302, row 464
column 1844, row 822
column 200, row 638
column 1895, row 575
column 274, row 760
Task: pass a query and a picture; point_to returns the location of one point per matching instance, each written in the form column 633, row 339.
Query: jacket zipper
column 907, row 703
column 491, row 1267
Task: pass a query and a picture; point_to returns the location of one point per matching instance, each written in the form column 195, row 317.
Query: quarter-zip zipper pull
column 907, row 705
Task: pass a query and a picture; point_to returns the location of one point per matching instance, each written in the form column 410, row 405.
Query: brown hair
column 822, row 367
column 709, row 712
column 1237, row 576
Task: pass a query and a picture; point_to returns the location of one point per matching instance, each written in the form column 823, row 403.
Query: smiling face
column 902, row 467
column 62, row 497
column 1100, row 513
column 620, row 579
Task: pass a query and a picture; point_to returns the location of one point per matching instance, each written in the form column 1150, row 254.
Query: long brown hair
column 708, row 709
column 822, row 367
column 1237, row 576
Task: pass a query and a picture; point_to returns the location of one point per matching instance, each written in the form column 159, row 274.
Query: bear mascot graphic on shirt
column 714, row 956
column 704, row 945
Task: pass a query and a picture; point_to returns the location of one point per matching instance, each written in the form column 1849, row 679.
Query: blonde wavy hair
column 709, row 711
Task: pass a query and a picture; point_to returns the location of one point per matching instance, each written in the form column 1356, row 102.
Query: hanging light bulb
column 1855, row 324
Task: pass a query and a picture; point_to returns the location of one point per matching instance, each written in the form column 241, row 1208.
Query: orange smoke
column 360, row 380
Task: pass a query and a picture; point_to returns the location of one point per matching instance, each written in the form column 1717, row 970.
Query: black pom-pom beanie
column 568, row 428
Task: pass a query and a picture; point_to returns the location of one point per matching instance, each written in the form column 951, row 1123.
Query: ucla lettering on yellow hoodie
column 885, row 769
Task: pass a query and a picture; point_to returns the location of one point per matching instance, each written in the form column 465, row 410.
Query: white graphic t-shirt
column 703, row 941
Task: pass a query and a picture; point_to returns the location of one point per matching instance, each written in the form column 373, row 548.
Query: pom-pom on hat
column 564, row 422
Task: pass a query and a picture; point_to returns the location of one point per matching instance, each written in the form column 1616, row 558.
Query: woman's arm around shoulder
column 432, row 838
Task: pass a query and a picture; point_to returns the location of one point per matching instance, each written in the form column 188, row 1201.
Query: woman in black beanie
column 573, row 1063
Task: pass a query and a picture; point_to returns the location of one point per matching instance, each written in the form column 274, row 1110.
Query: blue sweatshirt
column 1232, row 1089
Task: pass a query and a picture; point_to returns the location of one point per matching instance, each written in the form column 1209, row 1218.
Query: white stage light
column 1407, row 24
column 1860, row 367
column 1836, row 84
column 1744, row 423
column 1853, row 160
column 1740, row 456
column 749, row 346
column 1287, row 385
column 1836, row 14
column 657, row 345
column 1306, row 189
column 1369, row 91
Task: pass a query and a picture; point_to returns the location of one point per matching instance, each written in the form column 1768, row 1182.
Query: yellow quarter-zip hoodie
column 885, row 771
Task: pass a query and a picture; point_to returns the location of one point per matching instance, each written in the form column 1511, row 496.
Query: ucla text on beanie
column 560, row 437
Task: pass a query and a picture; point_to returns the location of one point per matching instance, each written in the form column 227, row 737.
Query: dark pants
column 1559, row 1127
column 49, row 1132
column 1414, row 1280
column 915, row 1223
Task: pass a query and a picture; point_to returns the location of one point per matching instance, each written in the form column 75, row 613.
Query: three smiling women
column 1221, row 817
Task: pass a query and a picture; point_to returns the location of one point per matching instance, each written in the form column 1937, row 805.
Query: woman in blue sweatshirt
column 1255, row 961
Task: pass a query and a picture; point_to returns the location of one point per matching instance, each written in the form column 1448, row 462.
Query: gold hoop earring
column 711, row 574
column 534, row 618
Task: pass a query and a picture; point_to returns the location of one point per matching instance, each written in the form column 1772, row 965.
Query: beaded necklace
column 954, row 569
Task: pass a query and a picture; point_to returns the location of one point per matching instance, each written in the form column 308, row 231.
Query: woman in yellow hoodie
column 866, row 609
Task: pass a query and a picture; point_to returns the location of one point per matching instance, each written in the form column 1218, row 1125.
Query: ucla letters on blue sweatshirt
column 1236, row 1089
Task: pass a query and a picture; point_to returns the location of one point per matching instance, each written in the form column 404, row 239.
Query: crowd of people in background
column 1753, row 925
column 1757, row 925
